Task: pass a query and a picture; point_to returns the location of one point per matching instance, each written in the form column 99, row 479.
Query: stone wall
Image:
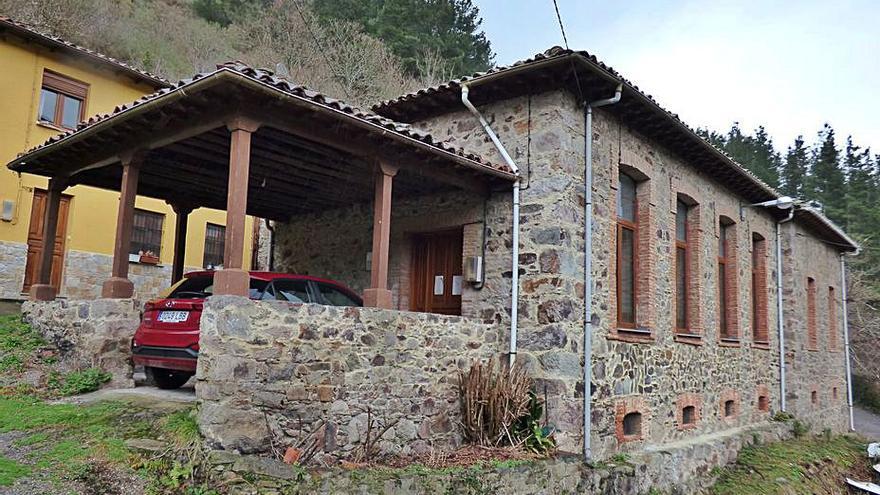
column 89, row 333
column 12, row 265
column 85, row 273
column 683, row 468
column 807, row 370
column 272, row 373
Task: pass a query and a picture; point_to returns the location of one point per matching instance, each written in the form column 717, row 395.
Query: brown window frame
column 759, row 323
column 214, row 242
column 682, row 245
column 63, row 86
column 812, row 327
column 633, row 227
column 147, row 231
column 832, row 318
column 727, row 329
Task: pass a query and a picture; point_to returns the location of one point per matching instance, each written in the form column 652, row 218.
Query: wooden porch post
column 233, row 279
column 43, row 290
column 378, row 295
column 118, row 286
column 182, row 212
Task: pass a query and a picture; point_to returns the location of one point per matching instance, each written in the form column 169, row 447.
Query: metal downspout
column 514, row 283
column 846, row 347
column 780, row 320
column 588, row 262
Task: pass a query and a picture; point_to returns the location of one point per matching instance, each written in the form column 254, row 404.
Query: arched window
column 727, row 281
column 832, row 319
column 627, row 263
column 689, row 415
column 812, row 332
column 632, row 424
column 763, row 403
column 729, row 408
column 682, row 288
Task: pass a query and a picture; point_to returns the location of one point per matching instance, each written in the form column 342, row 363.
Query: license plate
column 173, row 316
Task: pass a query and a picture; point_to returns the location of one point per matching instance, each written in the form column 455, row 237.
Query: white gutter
column 588, row 262
column 780, row 319
column 846, row 347
column 514, row 282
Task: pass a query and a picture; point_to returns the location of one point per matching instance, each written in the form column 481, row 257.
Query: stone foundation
column 273, row 373
column 12, row 265
column 85, row 272
column 682, row 468
column 89, row 333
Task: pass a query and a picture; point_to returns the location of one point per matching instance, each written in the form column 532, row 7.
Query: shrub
column 79, row 382
column 866, row 393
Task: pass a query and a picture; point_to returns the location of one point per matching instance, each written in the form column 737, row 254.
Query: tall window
column 832, row 319
column 682, row 291
column 760, row 334
column 626, row 252
column 215, row 242
column 727, row 280
column 146, row 232
column 812, row 334
column 62, row 100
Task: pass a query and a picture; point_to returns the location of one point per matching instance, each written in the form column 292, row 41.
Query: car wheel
column 166, row 379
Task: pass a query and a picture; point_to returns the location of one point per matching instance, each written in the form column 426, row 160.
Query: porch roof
column 311, row 152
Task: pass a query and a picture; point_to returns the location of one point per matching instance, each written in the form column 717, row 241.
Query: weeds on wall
column 499, row 408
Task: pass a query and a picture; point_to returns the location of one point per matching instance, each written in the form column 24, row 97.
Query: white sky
column 790, row 66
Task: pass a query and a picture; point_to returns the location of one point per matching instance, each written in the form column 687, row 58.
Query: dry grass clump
column 492, row 399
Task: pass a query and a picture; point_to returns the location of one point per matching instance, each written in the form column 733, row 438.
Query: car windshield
column 335, row 297
column 202, row 286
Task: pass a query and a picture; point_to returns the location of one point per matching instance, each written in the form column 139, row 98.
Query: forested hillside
column 355, row 54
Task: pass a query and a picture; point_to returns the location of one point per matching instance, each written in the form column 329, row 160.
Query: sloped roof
column 269, row 80
column 590, row 79
column 52, row 42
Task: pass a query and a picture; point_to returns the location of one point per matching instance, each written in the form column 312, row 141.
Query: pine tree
column 766, row 161
column 861, row 198
column 793, row 172
column 827, row 181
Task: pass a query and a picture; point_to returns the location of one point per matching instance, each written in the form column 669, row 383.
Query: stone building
column 683, row 334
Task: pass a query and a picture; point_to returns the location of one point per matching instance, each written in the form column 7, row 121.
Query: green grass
column 11, row 470
column 18, row 343
column 78, row 382
column 758, row 468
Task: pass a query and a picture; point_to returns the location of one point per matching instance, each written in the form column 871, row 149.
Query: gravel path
column 867, row 423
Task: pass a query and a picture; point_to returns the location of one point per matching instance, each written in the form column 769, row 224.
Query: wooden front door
column 436, row 273
column 36, row 241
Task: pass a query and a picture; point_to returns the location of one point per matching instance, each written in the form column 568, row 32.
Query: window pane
column 215, row 243
column 48, row 100
column 626, row 275
column 71, row 112
column 291, row 290
column 722, row 299
column 335, row 297
column 681, row 288
column 681, row 212
column 722, row 241
column 146, row 232
column 626, row 198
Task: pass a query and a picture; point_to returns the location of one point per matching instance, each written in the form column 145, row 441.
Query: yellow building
column 47, row 86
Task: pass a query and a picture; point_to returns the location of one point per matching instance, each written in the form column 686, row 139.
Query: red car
column 166, row 343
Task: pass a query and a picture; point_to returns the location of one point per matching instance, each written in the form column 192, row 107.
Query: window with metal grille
column 215, row 242
column 62, row 100
column 146, row 232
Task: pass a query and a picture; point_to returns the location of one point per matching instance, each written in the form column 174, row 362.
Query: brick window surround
column 728, row 283
column 812, row 330
column 686, row 400
column 623, row 408
column 760, row 329
column 686, row 260
column 832, row 319
column 728, row 406
column 638, row 222
column 762, row 400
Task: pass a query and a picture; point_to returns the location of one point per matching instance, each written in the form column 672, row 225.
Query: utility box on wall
column 7, row 212
column 473, row 269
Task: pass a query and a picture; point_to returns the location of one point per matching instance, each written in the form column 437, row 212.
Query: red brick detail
column 762, row 398
column 727, row 396
column 624, row 407
column 694, row 331
column 832, row 319
column 688, row 400
column 812, row 331
column 731, row 287
column 760, row 328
